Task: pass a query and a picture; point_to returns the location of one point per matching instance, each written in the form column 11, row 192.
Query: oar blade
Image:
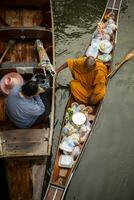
column 126, row 58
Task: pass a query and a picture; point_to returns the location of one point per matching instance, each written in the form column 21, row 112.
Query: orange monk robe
column 92, row 83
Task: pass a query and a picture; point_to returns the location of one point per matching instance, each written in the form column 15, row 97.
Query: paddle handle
column 3, row 55
column 127, row 57
column 112, row 73
column 11, row 42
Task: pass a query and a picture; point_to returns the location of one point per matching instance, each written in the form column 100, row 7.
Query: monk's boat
column 66, row 160
column 27, row 48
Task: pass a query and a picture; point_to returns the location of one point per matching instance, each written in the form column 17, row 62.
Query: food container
column 81, row 107
column 89, row 109
column 105, row 46
column 68, row 129
column 105, row 57
column 83, row 137
column 85, row 130
column 91, row 118
column 74, row 104
column 66, row 161
column 75, row 137
column 78, row 118
column 67, row 144
column 76, row 152
column 92, row 51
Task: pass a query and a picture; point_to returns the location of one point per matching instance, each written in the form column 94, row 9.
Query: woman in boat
column 27, row 104
column 90, row 77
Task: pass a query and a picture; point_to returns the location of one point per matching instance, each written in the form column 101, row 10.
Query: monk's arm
column 99, row 89
column 98, row 94
column 65, row 65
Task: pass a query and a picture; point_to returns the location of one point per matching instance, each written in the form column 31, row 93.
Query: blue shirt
column 22, row 111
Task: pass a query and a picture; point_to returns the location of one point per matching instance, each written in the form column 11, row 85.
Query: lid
column 105, row 46
column 67, row 144
column 66, row 161
column 105, row 57
column 79, row 118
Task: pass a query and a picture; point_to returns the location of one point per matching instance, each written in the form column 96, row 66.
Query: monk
column 90, row 77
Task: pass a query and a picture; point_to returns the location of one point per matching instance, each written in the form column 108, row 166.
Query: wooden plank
column 24, row 142
column 38, row 171
column 110, row 3
column 25, row 178
column 34, row 149
column 54, row 193
column 25, row 2
column 25, row 33
column 24, row 135
column 2, row 109
column 22, row 17
column 58, row 195
column 117, row 4
column 1, row 149
column 50, row 193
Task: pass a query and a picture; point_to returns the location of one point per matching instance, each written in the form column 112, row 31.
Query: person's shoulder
column 101, row 68
column 74, row 61
column 16, row 89
column 100, row 65
column 81, row 58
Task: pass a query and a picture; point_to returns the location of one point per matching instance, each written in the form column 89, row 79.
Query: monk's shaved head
column 90, row 62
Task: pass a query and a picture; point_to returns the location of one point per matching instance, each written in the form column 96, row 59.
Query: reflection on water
column 124, row 6
column 73, row 19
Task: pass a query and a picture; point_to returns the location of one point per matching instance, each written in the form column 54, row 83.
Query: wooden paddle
column 125, row 59
column 9, row 45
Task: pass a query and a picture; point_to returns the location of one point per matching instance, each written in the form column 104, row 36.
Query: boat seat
column 26, row 33
column 38, row 3
column 24, row 142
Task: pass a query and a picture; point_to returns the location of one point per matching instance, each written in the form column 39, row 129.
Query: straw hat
column 9, row 80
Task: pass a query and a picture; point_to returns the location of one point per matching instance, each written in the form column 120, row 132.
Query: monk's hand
column 90, row 101
column 57, row 70
column 41, row 90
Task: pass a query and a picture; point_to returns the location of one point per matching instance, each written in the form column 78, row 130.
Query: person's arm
column 39, row 102
column 37, row 107
column 98, row 94
column 65, row 65
column 99, row 89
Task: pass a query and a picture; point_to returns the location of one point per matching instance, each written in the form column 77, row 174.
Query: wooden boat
column 24, row 152
column 62, row 175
